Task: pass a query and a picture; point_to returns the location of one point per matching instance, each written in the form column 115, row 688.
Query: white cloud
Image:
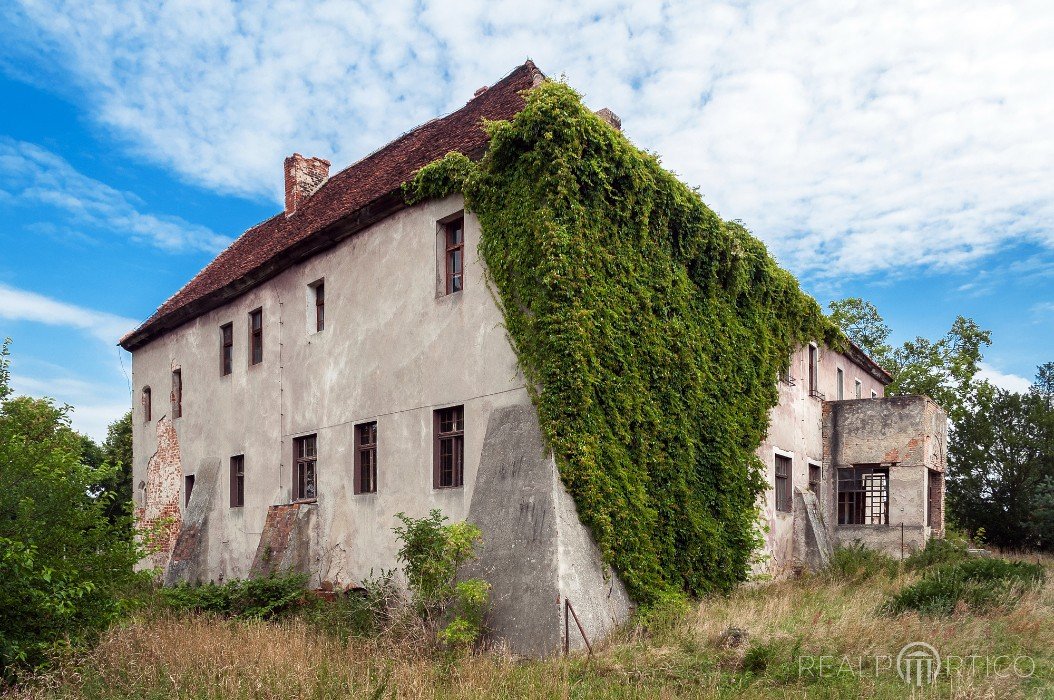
column 853, row 138
column 93, row 405
column 1003, row 380
column 20, row 305
column 31, row 174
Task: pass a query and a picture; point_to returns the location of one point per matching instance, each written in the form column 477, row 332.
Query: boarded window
column 933, row 500
column 841, row 384
column 863, row 496
column 455, row 255
column 319, row 293
column 147, row 404
column 448, row 468
column 305, row 454
column 814, row 478
column 188, row 488
column 366, row 458
column 783, row 483
column 177, row 393
column 237, row 481
column 226, row 349
column 256, row 337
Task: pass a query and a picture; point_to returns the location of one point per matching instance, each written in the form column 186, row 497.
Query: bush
column 664, row 614
column 855, row 562
column 372, row 610
column 431, row 554
column 979, row 584
column 937, row 551
column 253, row 599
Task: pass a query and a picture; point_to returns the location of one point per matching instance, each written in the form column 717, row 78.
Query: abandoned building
column 344, row 361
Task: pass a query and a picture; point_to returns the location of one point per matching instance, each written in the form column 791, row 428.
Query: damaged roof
column 354, row 198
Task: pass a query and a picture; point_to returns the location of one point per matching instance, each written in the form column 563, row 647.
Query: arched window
column 146, row 404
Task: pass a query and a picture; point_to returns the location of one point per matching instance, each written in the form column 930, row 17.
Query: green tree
column 117, row 452
column 944, row 369
column 63, row 563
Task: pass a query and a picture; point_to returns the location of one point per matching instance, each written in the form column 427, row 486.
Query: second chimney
column 302, row 177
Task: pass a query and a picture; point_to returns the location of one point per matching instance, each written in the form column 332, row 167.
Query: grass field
column 816, row 637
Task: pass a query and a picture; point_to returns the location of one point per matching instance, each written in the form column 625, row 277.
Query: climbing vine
column 649, row 330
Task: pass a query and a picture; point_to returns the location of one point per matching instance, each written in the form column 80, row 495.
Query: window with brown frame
column 319, row 289
column 814, row 372
column 863, row 496
column 933, row 498
column 814, row 478
column 256, row 337
column 177, row 393
column 147, row 407
column 226, row 349
column 366, row 458
column 455, row 255
column 305, row 455
column 783, row 483
column 237, row 481
column 188, row 488
column 448, row 468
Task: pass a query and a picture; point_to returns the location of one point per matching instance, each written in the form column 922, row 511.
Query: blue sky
column 900, row 154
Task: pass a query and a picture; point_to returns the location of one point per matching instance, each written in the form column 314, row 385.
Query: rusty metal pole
column 567, row 635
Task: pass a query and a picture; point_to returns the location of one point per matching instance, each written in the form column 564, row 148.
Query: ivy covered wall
column 649, row 330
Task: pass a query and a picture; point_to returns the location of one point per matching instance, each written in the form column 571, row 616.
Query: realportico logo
column 918, row 664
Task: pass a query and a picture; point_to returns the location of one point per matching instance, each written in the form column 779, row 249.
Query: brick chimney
column 302, row 177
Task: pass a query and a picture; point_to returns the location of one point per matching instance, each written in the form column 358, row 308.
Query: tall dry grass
column 166, row 656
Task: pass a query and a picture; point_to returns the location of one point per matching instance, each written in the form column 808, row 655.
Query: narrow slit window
column 319, row 289
column 177, row 393
column 455, row 256
column 366, row 458
column 237, row 481
column 814, row 478
column 858, row 389
column 449, row 451
column 226, row 349
column 863, row 496
column 814, row 372
column 783, row 483
column 841, row 383
column 305, row 456
column 188, row 488
column 147, row 405
column 256, row 337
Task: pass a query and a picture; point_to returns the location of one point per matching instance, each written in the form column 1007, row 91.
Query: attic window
column 256, row 337
column 318, row 293
column 455, row 255
column 226, row 349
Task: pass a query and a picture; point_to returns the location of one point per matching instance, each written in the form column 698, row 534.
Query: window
column 841, row 384
column 177, row 393
column 319, row 289
column 933, row 499
column 147, row 408
column 783, row 483
column 256, row 337
column 237, row 481
column 366, row 458
column 857, row 388
column 226, row 349
column 874, row 394
column 449, row 452
column 304, row 457
column 188, row 487
column 814, row 477
column 455, row 255
column 814, row 372
column 785, row 375
column 863, row 496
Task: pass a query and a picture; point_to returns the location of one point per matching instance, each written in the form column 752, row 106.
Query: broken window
column 874, row 394
column 841, row 384
column 237, row 481
column 256, row 337
column 858, row 388
column 366, row 458
column 177, row 393
column 188, row 488
column 863, row 496
column 147, row 407
column 814, row 372
column 319, row 289
column 814, row 477
column 449, row 452
column 455, row 255
column 304, row 475
column 783, row 483
column 226, row 349
column 933, row 499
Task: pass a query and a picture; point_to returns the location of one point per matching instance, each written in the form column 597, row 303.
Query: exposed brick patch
column 160, row 515
column 276, row 538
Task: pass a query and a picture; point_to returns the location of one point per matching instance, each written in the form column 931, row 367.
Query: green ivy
column 649, row 330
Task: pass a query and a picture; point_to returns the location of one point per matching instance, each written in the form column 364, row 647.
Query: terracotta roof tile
column 345, row 193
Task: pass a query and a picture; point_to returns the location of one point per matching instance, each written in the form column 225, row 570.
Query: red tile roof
column 356, row 197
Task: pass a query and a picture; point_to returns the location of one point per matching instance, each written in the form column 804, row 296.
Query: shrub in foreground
column 253, row 599
column 979, row 584
column 856, row 562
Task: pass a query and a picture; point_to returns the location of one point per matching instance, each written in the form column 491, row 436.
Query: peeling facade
column 399, row 347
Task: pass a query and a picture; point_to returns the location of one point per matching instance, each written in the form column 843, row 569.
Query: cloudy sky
column 899, row 151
